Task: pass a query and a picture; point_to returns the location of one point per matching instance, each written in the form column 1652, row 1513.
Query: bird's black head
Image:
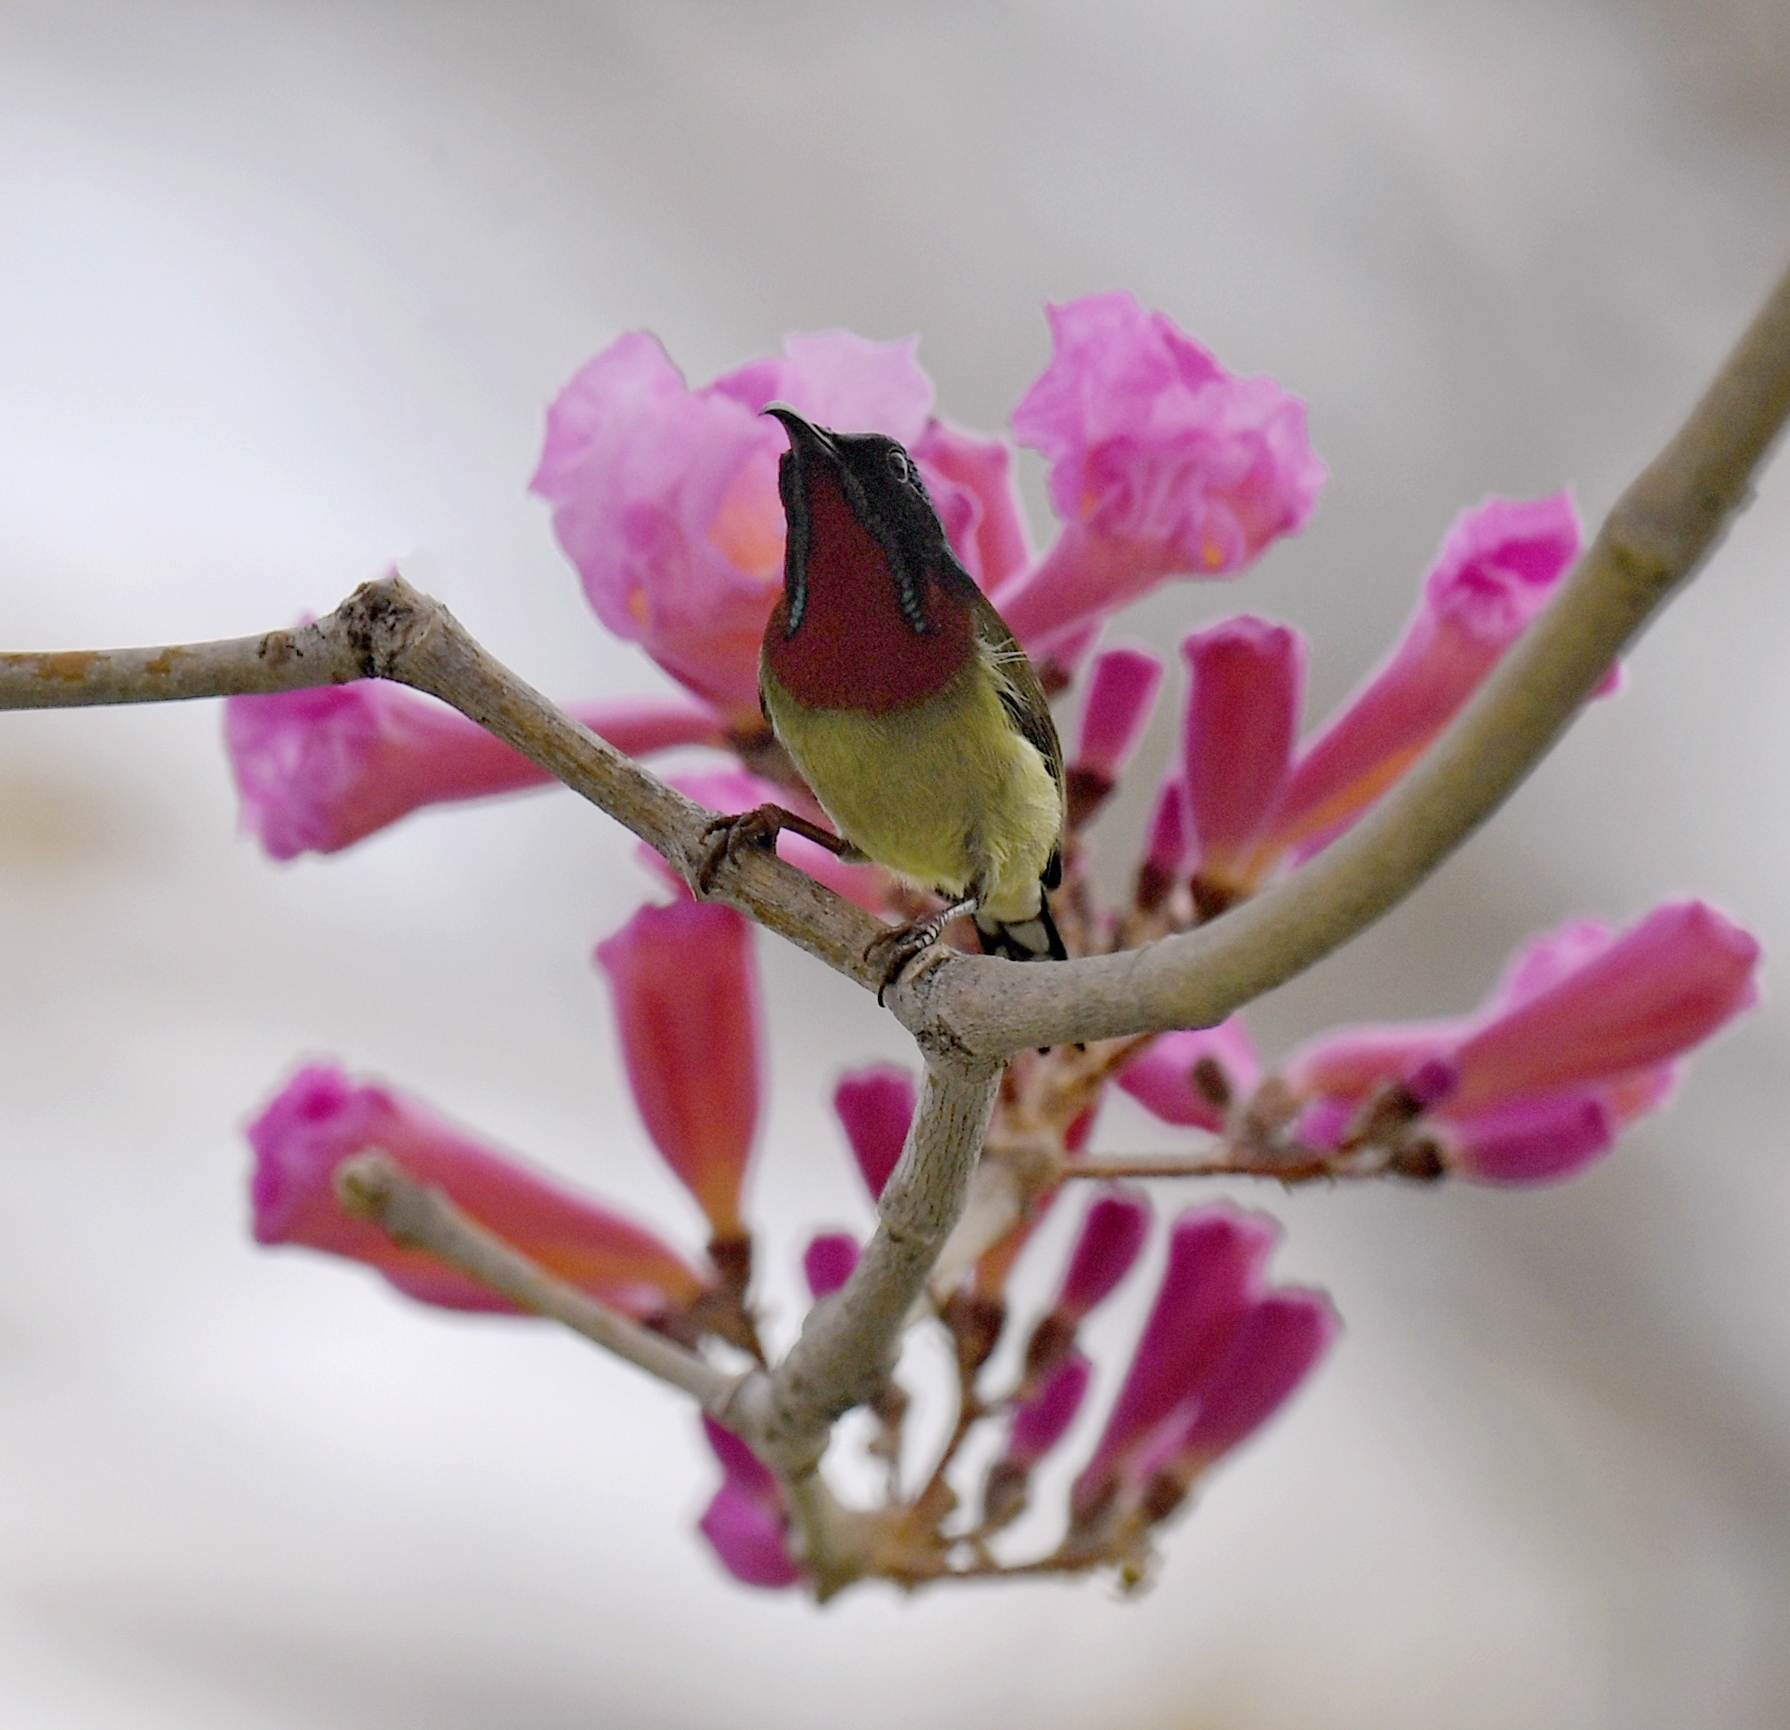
column 883, row 488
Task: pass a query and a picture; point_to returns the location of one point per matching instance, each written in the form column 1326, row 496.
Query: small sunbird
column 904, row 700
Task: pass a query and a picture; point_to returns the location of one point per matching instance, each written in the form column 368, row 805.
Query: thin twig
column 417, row 1217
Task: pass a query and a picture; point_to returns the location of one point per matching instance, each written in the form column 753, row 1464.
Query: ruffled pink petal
column 321, row 1118
column 876, row 1106
column 1165, row 1077
column 686, row 1006
column 971, row 481
column 1659, row 988
column 828, row 1261
column 1497, row 568
column 319, row 770
column 1246, row 682
column 665, row 498
column 1161, row 464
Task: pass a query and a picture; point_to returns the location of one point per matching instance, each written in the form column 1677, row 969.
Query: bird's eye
column 899, row 466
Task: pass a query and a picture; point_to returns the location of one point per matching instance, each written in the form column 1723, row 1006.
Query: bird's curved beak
column 803, row 433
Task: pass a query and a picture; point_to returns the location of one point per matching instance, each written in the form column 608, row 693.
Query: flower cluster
column 1161, row 464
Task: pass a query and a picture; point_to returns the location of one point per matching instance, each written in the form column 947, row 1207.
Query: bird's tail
column 1034, row 939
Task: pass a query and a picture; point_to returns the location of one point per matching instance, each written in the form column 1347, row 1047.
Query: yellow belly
column 946, row 794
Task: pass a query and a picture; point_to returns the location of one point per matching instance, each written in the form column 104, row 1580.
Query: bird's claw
column 725, row 836
column 894, row 948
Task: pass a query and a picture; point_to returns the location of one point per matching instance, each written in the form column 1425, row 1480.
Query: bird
column 906, row 703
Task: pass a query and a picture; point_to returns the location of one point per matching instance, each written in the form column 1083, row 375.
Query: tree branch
column 414, row 1216
column 1653, row 541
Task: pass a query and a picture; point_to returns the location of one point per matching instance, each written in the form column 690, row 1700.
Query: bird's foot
column 894, row 948
column 758, row 828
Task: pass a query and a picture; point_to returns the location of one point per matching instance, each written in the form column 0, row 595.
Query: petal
column 1659, row 988
column 1497, row 568
column 1216, row 1259
column 1122, row 686
column 748, row 1537
column 1043, row 1420
column 972, row 484
column 319, row 770
column 1246, row 681
column 828, row 1261
column 686, row 1005
column 740, row 1465
column 321, row 1118
column 876, row 1106
column 1112, row 1234
column 1179, row 1076
column 1530, row 1140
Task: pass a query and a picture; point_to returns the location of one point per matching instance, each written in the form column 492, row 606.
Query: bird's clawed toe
column 725, row 836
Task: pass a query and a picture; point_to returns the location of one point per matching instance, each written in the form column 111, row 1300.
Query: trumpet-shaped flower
column 1161, row 464
column 322, row 1118
column 665, row 498
column 686, row 1006
column 1121, row 688
column 318, row 770
column 1580, row 1037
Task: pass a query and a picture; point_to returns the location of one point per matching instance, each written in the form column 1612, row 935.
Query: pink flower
column 1043, row 1420
column 970, row 478
column 665, row 498
column 686, row 1006
column 1121, row 688
column 319, row 770
column 1246, row 677
column 1497, row 568
column 1112, row 1233
column 1161, row 464
column 876, row 1106
column 321, row 1118
column 746, row 1521
column 1579, row 1039
column 1194, row 1360
column 828, row 1261
column 1165, row 846
column 1192, row 1077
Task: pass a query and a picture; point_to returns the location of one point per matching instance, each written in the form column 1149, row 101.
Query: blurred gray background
column 284, row 290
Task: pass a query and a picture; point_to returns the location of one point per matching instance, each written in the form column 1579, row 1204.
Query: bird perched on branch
column 904, row 700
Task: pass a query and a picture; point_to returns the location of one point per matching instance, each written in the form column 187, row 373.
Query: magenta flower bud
column 686, row 1007
column 1497, row 568
column 1246, row 680
column 1193, row 1077
column 1277, row 1347
column 1044, row 1419
column 318, row 770
column 734, row 790
column 321, row 1118
column 746, row 1521
column 828, row 1261
column 1122, row 685
column 1214, row 1275
column 1165, row 846
column 876, row 1106
column 665, row 498
column 1161, row 464
column 971, row 482
column 1112, row 1234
